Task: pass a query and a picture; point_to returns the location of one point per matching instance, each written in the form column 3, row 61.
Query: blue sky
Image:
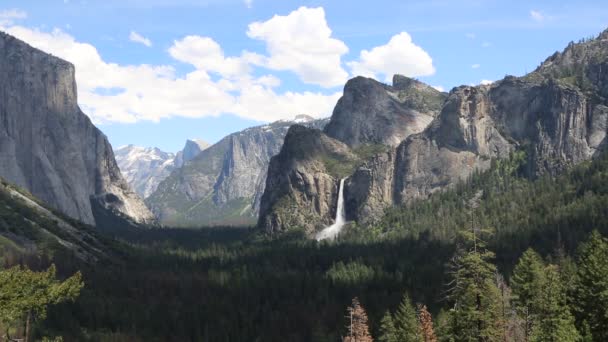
column 155, row 72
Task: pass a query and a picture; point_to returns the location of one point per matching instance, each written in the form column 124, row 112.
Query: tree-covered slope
column 28, row 227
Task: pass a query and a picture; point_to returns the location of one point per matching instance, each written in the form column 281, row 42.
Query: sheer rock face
column 48, row 146
column 301, row 188
column 224, row 183
column 558, row 114
column 371, row 112
column 557, row 124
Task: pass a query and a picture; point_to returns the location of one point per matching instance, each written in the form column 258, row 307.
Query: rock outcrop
column 369, row 121
column 557, row 114
column 223, row 185
column 301, row 187
column 49, row 146
column 371, row 112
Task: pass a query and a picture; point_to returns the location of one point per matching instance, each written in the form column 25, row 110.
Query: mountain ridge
column 557, row 113
column 223, row 185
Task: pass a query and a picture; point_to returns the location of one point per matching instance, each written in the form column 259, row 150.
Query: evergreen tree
column 388, row 332
column 443, row 326
column 358, row 329
column 406, row 321
column 526, row 282
column 25, row 295
column 555, row 322
column 426, row 324
column 591, row 286
column 476, row 314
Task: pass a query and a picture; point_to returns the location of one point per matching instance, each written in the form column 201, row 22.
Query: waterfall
column 332, row 231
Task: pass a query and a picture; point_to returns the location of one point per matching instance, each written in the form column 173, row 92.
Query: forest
column 503, row 256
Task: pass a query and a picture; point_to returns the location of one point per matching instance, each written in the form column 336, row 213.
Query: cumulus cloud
column 440, row 88
column 399, row 56
column 206, row 54
column 7, row 17
column 301, row 42
column 486, row 82
column 110, row 92
column 138, row 38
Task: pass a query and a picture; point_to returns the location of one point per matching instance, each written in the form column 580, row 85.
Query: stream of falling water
column 332, row 231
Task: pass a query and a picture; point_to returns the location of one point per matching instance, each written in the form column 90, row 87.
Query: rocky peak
column 192, row 149
column 370, row 112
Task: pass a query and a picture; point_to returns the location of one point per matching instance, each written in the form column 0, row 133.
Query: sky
column 157, row 72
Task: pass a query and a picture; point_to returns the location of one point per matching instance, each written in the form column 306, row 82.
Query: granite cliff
column 50, row 147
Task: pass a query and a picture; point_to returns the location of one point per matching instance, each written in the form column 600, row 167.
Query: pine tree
column 388, row 332
column 25, row 295
column 406, row 321
column 476, row 314
column 555, row 322
column 443, row 326
column 591, row 286
column 426, row 324
column 526, row 282
column 358, row 329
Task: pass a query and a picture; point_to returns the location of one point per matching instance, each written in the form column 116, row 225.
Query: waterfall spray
column 332, row 231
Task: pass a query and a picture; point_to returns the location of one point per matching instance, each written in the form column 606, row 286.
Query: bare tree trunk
column 28, row 326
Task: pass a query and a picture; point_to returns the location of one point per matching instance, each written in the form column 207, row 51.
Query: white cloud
column 138, row 38
column 301, row 42
column 249, row 3
column 475, row 66
column 486, row 44
column 399, row 56
column 486, row 82
column 440, row 88
column 537, row 16
column 110, row 92
column 7, row 17
column 206, row 54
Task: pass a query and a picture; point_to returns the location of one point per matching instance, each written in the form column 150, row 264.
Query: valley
column 409, row 214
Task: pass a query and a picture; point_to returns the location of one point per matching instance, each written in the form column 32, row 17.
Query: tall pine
column 555, row 321
column 475, row 315
column 406, row 322
column 591, row 286
column 526, row 283
column 358, row 329
column 388, row 332
column 426, row 324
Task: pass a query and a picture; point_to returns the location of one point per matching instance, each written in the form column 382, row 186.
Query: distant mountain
column 224, row 183
column 145, row 167
column 397, row 143
column 50, row 147
column 192, row 149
